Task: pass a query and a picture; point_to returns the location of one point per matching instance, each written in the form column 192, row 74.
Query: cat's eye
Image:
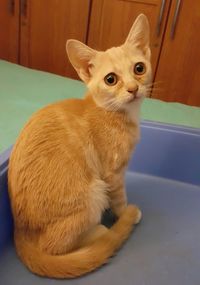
column 139, row 68
column 111, row 79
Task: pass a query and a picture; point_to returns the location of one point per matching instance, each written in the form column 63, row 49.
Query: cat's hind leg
column 63, row 235
column 93, row 234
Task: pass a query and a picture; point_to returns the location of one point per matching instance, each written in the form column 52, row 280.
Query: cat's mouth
column 130, row 99
column 133, row 97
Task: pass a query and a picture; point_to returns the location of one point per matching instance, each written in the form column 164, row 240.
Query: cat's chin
column 134, row 98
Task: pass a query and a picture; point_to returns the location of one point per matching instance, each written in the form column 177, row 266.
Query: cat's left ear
column 139, row 34
column 80, row 56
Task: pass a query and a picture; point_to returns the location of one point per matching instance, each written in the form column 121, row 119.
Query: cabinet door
column 9, row 30
column 111, row 21
column 45, row 27
column 179, row 64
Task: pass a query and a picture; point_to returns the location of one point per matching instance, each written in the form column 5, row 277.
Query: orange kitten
column 68, row 163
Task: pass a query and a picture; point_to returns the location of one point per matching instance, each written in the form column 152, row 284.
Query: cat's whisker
column 115, row 107
column 155, row 83
column 154, row 89
column 109, row 102
column 154, row 94
column 112, row 105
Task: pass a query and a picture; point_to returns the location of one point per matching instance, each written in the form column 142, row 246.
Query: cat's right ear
column 80, row 56
column 139, row 34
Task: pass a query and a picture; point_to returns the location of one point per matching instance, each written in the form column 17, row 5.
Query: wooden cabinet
column 45, row 27
column 9, row 30
column 178, row 69
column 33, row 33
column 111, row 21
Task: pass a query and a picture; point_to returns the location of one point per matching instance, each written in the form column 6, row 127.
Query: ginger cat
column 68, row 163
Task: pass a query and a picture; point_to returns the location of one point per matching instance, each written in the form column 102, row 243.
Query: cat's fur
column 68, row 163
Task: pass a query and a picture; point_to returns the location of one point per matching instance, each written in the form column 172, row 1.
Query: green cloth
column 23, row 91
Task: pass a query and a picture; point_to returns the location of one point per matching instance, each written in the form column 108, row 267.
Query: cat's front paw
column 134, row 212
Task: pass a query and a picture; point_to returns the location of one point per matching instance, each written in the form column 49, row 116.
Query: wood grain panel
column 179, row 65
column 9, row 30
column 45, row 27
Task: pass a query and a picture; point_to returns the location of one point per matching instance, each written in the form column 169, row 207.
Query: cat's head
column 117, row 77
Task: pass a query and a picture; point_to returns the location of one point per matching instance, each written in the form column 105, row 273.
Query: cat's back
column 49, row 120
column 58, row 110
column 48, row 133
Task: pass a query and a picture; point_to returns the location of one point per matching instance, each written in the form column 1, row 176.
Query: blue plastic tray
column 164, row 180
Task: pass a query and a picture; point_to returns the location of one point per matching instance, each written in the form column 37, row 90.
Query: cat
column 68, row 164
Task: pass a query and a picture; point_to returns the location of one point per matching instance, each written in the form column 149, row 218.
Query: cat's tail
column 84, row 259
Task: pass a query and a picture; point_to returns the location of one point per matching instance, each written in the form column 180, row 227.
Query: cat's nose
column 133, row 89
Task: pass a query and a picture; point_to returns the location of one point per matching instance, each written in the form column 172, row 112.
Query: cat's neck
column 113, row 135
column 131, row 115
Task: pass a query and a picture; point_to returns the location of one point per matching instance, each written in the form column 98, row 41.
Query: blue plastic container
column 164, row 180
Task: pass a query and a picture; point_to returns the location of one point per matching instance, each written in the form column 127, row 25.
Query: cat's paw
column 134, row 212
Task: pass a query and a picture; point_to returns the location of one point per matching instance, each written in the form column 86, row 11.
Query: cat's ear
column 139, row 34
column 80, row 56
